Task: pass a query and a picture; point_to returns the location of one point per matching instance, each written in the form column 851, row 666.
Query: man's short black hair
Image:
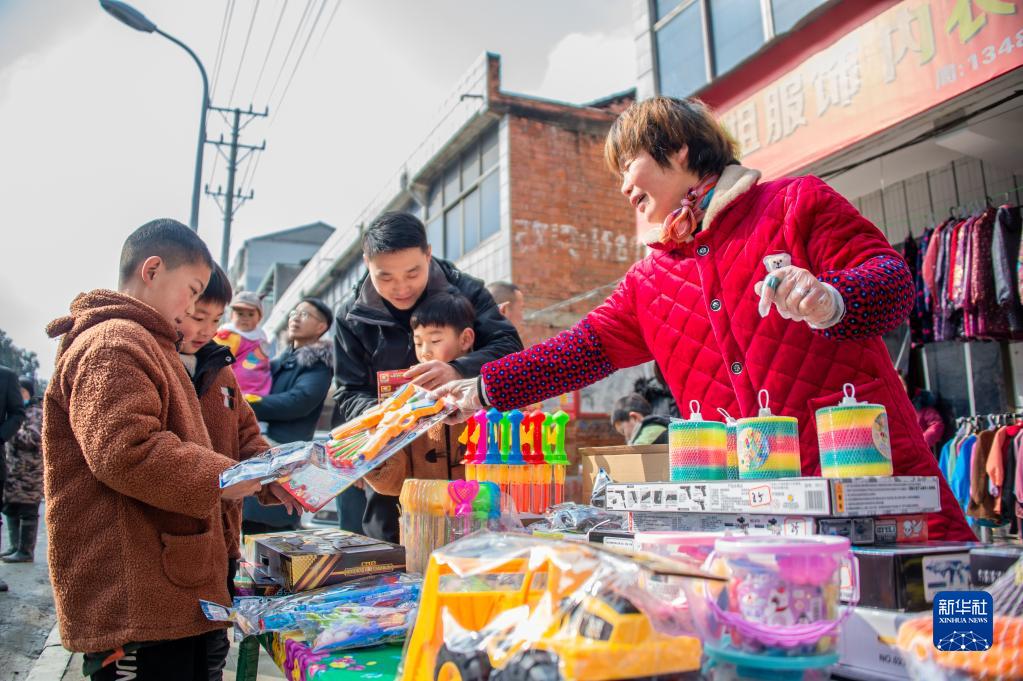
column 29, row 385
column 393, row 232
column 445, row 309
column 503, row 291
column 218, row 290
column 321, row 307
column 176, row 244
column 633, row 402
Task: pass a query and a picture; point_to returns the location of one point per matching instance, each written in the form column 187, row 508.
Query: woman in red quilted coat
column 704, row 307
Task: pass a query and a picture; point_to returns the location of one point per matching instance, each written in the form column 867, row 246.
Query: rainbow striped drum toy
column 768, row 445
column 732, row 460
column 853, row 438
column 696, row 448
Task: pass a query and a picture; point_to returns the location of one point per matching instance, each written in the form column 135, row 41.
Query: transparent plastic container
column 692, row 545
column 781, row 601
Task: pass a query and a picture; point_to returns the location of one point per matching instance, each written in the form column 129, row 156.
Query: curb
column 52, row 661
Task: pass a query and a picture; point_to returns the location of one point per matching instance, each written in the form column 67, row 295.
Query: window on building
column 737, row 31
column 464, row 202
column 787, row 13
column 682, row 66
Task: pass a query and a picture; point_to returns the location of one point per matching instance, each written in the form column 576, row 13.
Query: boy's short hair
column 660, row 126
column 174, row 243
column 633, row 402
column 392, row 232
column 445, row 309
column 29, row 385
column 503, row 291
column 218, row 290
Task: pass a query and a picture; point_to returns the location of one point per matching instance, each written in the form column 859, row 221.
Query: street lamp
column 130, row 16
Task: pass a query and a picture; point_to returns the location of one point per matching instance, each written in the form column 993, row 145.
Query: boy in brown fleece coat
column 442, row 330
column 234, row 431
column 131, row 481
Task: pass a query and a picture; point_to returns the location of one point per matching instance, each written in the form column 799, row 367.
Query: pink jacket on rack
column 694, row 310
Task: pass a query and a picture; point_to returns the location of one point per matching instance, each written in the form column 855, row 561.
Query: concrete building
column 510, row 187
column 257, row 256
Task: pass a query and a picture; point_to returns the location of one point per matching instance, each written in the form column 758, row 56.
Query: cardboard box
column 308, row 559
column 906, row 578
column 648, row 463
column 866, row 645
column 900, row 529
column 620, row 538
column 858, row 531
column 789, row 526
column 989, row 563
column 389, row 381
column 251, row 581
column 823, row 497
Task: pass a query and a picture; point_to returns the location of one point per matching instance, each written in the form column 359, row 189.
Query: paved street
column 26, row 612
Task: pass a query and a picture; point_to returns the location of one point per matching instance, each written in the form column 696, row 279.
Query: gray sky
column 100, row 121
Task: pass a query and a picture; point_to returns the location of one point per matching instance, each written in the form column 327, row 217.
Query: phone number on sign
column 951, row 72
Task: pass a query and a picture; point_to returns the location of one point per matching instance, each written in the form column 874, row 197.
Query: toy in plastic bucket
column 767, row 445
column 697, row 448
column 853, row 438
column 732, row 457
column 783, row 593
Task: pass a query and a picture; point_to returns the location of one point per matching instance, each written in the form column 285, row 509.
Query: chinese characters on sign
column 901, row 62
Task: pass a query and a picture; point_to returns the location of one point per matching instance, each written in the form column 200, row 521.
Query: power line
column 245, row 48
column 298, row 62
column 326, row 30
column 225, row 25
column 287, row 55
column 269, row 51
column 229, row 13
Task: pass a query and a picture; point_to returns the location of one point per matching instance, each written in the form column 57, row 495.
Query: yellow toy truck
column 505, row 607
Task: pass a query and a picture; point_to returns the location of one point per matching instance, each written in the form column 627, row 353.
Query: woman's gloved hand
column 466, row 396
column 800, row 296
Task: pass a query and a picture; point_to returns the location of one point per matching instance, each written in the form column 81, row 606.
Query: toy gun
column 394, row 423
column 557, row 423
column 372, row 417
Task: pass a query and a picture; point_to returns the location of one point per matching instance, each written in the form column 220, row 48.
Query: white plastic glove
column 466, row 396
column 800, row 296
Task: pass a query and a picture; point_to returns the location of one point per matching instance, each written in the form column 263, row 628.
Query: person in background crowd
column 927, row 414
column 654, row 390
column 634, row 420
column 12, row 413
column 374, row 333
column 780, row 286
column 510, row 301
column 301, row 381
column 23, row 489
column 248, row 343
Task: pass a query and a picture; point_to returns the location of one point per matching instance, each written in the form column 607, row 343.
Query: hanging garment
column 941, row 300
column 921, row 318
column 1017, row 487
column 997, row 463
column 960, row 482
column 930, row 262
column 988, row 317
column 1005, row 239
column 981, row 504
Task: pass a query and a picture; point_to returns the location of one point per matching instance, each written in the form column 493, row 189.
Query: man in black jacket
column 373, row 333
column 12, row 413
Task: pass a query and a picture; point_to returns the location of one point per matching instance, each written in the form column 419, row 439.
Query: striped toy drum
column 853, row 438
column 767, row 445
column 696, row 448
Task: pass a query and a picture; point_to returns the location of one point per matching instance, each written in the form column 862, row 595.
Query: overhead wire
column 222, row 49
column 326, row 30
column 291, row 46
column 269, row 51
column 245, row 48
column 298, row 62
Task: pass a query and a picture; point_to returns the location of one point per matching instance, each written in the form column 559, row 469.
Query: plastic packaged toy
column 509, row 606
column 356, row 626
column 937, row 647
column 435, row 513
column 578, row 518
column 311, row 611
column 315, row 474
column 781, row 608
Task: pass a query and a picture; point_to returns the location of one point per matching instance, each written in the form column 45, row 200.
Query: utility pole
column 229, row 206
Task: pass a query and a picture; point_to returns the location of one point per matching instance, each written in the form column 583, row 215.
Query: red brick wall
column 572, row 230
